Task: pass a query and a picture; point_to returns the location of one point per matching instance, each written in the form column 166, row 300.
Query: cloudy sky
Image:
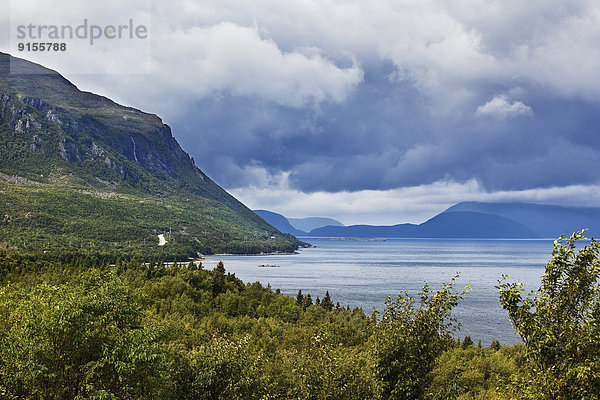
column 376, row 112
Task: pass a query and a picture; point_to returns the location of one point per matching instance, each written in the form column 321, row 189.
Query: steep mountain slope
column 78, row 171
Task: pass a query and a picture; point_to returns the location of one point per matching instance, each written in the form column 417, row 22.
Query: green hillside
column 79, row 172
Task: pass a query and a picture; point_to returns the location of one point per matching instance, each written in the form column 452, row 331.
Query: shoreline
column 273, row 253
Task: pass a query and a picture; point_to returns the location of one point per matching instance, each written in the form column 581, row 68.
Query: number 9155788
column 42, row 46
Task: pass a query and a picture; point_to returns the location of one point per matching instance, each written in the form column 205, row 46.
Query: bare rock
column 97, row 150
column 53, row 117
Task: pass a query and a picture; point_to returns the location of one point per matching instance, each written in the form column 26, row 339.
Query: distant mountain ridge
column 294, row 226
column 483, row 220
column 464, row 224
column 79, row 172
column 544, row 220
column 280, row 222
column 310, row 223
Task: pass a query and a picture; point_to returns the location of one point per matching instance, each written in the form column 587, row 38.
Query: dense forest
column 81, row 327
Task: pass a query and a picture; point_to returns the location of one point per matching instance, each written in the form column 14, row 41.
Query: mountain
column 310, row 223
column 296, row 226
column 468, row 224
column 80, row 172
column 484, row 220
column 444, row 225
column 545, row 220
column 280, row 222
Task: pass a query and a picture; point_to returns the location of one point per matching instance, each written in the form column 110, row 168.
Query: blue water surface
column 362, row 273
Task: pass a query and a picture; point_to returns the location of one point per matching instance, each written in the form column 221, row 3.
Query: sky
column 379, row 112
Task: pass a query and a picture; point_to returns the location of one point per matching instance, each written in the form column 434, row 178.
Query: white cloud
column 194, row 59
column 232, row 59
column 224, row 60
column 500, row 107
column 448, row 50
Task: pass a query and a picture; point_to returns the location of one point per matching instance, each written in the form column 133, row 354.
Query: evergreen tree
column 307, row 302
column 495, row 345
column 467, row 342
column 326, row 303
column 120, row 266
column 218, row 279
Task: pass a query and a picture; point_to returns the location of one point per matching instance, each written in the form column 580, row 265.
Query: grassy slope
column 41, row 218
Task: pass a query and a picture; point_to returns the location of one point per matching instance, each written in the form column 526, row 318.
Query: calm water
column 364, row 273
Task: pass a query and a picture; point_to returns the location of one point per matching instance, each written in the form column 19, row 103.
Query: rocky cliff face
column 116, row 143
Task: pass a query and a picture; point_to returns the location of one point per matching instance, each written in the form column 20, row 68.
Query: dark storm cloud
column 382, row 138
column 379, row 117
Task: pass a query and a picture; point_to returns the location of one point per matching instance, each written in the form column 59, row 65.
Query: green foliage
column 219, row 369
column 560, row 322
column 408, row 340
column 77, row 327
column 324, row 370
column 82, row 340
column 473, row 373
